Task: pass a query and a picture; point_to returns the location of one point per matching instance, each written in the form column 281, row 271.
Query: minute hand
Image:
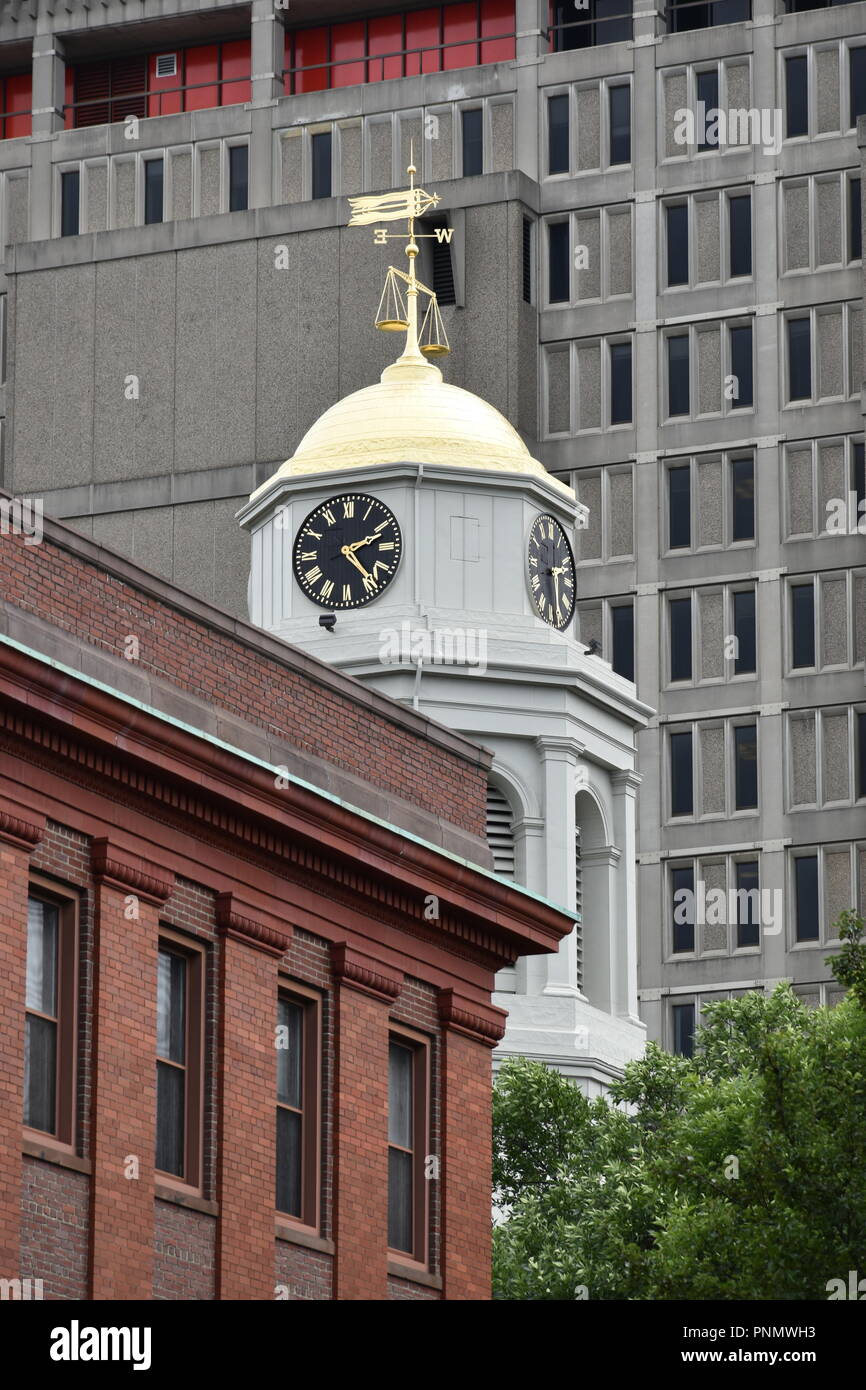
column 353, row 560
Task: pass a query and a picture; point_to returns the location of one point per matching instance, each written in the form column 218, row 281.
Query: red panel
column 461, row 22
column 161, row 100
column 385, row 35
column 201, row 66
column 236, row 65
column 348, row 41
column 497, row 17
column 422, row 31
column 69, row 97
column 19, row 99
column 311, row 47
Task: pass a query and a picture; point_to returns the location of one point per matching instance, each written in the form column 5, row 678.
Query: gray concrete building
column 668, row 309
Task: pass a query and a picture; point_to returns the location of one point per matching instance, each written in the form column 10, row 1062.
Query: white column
column 48, row 96
column 530, row 870
column 559, row 757
column 267, row 48
column 598, row 868
column 624, row 1002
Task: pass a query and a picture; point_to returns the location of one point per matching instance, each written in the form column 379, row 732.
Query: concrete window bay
column 529, row 632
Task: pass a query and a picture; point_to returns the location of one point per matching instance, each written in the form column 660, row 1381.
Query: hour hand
column 367, row 540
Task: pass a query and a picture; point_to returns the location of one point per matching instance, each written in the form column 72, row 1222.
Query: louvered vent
column 500, row 832
column 166, row 65
column 92, row 82
column 527, row 260
column 442, row 266
column 124, row 81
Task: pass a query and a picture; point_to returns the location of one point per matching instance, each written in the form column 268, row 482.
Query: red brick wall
column 303, row 1274
column 467, row 1110
column 102, row 610
column 54, row 1210
column 14, row 872
column 404, row 1291
column 184, row 1243
column 246, row 1162
column 124, row 1098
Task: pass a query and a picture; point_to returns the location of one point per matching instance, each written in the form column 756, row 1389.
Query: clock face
column 347, row 551
column 550, row 566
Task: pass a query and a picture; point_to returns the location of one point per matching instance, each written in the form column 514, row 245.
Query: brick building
column 246, row 1014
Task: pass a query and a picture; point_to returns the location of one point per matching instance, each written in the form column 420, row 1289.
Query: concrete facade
column 234, row 358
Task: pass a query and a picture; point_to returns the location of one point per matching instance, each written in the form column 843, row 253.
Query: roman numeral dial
column 347, row 551
column 550, row 572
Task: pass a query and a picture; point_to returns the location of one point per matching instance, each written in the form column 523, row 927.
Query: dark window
column 681, row 639
column 861, row 755
column 153, row 184
column 741, row 366
column 744, row 631
column 748, row 903
column 557, row 135
column 684, row 1029
column 679, row 507
column 708, row 100
column 799, row 359
column 42, row 1018
column 806, row 893
column 239, row 158
column 857, row 58
column 559, row 262
column 677, row 219
column 687, row 14
column 595, row 22
column 407, row 1126
column 171, row 1066
column 859, row 474
column 796, row 97
column 473, row 142
column 746, row 766
column 682, row 798
column 620, row 383
column 290, row 1107
column 619, row 107
column 855, row 221
column 683, row 905
column 527, row 261
column 70, row 183
column 678, row 374
column 622, row 624
column 321, row 157
column 743, row 500
column 740, row 234
column 803, row 624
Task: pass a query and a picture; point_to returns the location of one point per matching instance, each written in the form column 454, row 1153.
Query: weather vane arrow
column 395, row 315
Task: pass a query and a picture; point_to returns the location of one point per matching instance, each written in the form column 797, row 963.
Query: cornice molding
column 237, row 919
column 120, row 869
column 365, row 974
column 24, row 832
column 482, row 1023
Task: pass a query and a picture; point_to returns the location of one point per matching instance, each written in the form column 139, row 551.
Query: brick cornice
column 24, row 832
column 238, row 919
column 365, row 974
column 482, row 1023
column 130, row 874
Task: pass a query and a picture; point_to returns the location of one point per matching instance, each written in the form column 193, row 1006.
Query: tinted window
column 679, row 508
column 473, row 143
column 620, row 125
column 681, row 639
column 861, row 755
column 559, row 262
column 746, row 766
column 855, row 221
column 744, row 631
column 684, row 1025
column 740, row 234
column 741, row 367
column 69, row 189
column 682, row 801
column 320, row 146
column 557, row 135
column 858, row 83
column 799, row 359
column 708, row 96
column 803, row 624
column 239, row 157
column 806, row 892
column 622, row 623
column 678, row 375
column 620, row 383
column 683, row 905
column 743, row 500
column 153, row 184
column 796, row 97
column 748, row 903
column 677, row 219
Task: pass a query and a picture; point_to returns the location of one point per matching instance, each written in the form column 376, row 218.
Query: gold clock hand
column 368, row 540
column 353, row 559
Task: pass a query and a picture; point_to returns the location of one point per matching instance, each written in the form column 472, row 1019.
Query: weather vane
column 398, row 314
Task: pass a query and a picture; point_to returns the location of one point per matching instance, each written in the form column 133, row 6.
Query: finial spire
column 393, row 315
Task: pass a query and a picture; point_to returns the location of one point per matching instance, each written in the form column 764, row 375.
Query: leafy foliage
column 737, row 1174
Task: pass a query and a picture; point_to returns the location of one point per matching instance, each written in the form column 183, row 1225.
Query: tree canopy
column 738, row 1173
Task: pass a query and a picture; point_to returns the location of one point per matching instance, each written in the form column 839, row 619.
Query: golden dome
column 412, row 415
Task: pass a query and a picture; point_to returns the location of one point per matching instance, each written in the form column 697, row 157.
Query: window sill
column 165, row 1193
column 413, row 1275
column 54, row 1153
column 302, row 1235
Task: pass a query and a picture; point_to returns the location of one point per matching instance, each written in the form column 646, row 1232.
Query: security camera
column 329, row 621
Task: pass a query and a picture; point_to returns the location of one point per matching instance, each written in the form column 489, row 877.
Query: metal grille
column 527, row 260
column 578, row 907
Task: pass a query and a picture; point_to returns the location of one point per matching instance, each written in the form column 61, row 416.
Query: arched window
column 500, row 831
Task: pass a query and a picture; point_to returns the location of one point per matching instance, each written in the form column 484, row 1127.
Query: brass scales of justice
column 398, row 313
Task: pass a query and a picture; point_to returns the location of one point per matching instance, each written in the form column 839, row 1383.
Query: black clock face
column 347, row 551
column 551, row 572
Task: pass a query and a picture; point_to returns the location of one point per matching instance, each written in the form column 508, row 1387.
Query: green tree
column 737, row 1174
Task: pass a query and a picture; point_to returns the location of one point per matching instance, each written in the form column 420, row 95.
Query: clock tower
column 413, row 541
